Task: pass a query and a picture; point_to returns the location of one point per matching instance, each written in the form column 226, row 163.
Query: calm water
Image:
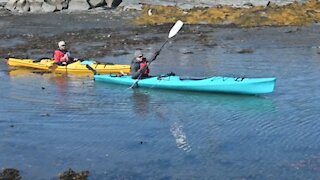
column 49, row 123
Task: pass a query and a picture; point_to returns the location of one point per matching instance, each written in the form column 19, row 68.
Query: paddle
column 53, row 67
column 91, row 69
column 174, row 30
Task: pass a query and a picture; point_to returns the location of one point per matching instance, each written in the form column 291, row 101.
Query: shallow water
column 50, row 123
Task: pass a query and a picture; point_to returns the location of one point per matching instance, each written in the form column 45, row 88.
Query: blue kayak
column 207, row 84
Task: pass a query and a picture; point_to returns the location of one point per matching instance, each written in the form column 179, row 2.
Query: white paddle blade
column 174, row 30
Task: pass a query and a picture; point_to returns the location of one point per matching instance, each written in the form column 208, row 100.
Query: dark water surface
column 49, row 123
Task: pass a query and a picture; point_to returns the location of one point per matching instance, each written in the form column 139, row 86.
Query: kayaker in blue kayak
column 139, row 65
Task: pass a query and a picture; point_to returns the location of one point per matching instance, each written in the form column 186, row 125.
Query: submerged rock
column 10, row 174
column 70, row 174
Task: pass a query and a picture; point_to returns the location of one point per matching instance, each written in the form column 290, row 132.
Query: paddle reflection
column 142, row 106
column 180, row 136
column 141, row 102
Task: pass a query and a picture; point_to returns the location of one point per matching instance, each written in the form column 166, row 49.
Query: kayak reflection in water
column 62, row 55
column 139, row 65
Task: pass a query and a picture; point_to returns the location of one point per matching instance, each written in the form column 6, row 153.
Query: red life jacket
column 58, row 55
column 142, row 65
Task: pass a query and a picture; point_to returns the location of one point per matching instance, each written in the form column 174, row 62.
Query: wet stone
column 10, row 174
column 70, row 174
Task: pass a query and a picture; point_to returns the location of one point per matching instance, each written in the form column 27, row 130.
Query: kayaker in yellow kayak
column 61, row 55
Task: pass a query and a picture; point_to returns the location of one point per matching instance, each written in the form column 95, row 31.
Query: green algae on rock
column 10, row 173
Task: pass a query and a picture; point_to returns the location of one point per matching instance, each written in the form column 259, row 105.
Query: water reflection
column 144, row 102
column 61, row 82
column 183, row 111
column 23, row 72
column 232, row 102
column 180, row 136
column 53, row 88
column 141, row 102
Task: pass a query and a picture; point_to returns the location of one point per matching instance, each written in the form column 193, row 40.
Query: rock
column 71, row 174
column 11, row 5
column 57, row 5
column 132, row 7
column 244, row 51
column 35, row 5
column 113, row 3
column 46, row 7
column 96, row 3
column 150, row 12
column 78, row 5
column 61, row 4
column 3, row 2
column 10, row 173
column 22, row 6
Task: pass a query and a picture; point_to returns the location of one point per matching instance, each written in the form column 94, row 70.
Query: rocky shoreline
column 91, row 35
column 267, row 13
column 35, row 6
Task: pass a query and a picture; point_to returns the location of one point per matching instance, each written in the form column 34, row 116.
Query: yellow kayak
column 75, row 67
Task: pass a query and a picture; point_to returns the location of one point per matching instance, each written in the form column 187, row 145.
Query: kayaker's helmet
column 138, row 53
column 62, row 45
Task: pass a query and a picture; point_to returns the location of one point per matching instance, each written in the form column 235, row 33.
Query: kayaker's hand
column 156, row 53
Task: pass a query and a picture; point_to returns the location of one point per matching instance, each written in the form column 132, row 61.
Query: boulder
column 2, row 3
column 78, row 5
column 60, row 4
column 35, row 5
column 46, row 7
column 11, row 5
column 96, row 3
column 22, row 6
column 113, row 3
